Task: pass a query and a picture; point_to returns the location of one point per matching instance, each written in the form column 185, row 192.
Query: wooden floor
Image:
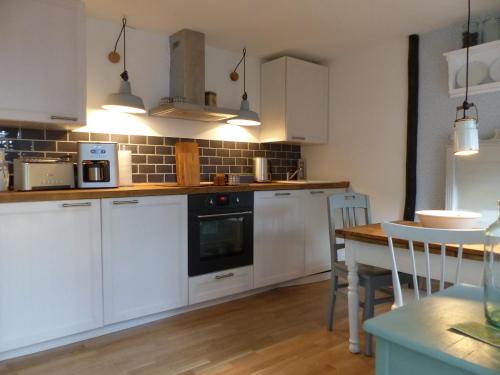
column 277, row 332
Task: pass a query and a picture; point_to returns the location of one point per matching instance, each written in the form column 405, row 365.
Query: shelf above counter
column 486, row 53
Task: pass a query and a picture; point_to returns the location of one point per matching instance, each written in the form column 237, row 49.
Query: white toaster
column 43, row 174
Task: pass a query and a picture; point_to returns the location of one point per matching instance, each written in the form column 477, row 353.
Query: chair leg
column 334, row 280
column 368, row 313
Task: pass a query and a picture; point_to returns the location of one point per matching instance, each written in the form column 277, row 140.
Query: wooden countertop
column 373, row 233
column 139, row 190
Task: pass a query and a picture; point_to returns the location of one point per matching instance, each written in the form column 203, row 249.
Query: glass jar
column 491, row 29
column 492, row 274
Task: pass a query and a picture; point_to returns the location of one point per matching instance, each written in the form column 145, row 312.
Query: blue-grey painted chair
column 354, row 209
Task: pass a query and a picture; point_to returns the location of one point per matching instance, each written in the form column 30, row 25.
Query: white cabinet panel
column 220, row 284
column 50, row 271
column 294, row 101
column 42, row 61
column 278, row 236
column 144, row 255
column 306, row 101
column 317, row 236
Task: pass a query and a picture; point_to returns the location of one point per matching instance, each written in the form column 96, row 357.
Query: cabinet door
column 50, row 271
column 144, row 255
column 307, row 101
column 42, row 62
column 317, row 235
column 278, row 236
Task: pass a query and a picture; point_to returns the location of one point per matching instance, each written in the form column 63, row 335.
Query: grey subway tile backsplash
column 153, row 157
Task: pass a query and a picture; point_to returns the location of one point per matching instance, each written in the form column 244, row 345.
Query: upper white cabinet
column 43, row 64
column 144, row 255
column 50, row 271
column 278, row 236
column 294, row 101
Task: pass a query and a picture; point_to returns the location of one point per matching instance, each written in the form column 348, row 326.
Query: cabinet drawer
column 220, row 284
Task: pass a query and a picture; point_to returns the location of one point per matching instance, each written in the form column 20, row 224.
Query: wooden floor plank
column 281, row 331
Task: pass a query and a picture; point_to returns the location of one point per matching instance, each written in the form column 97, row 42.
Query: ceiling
column 315, row 29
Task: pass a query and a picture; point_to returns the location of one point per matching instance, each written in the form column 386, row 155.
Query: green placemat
column 479, row 331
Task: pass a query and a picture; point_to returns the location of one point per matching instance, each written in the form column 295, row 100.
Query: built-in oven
column 220, row 232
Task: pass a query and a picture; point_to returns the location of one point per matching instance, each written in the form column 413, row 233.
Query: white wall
column 437, row 113
column 367, row 133
column 148, row 64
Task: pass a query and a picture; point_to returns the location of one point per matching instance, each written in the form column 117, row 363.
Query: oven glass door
column 220, row 241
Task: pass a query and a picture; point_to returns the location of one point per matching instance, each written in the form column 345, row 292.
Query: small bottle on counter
column 4, row 172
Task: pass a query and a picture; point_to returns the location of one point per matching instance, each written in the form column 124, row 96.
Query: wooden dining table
column 367, row 244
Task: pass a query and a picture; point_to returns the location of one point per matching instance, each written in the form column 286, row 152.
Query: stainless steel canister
column 262, row 169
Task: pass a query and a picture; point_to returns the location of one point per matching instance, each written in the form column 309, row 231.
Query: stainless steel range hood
column 187, row 81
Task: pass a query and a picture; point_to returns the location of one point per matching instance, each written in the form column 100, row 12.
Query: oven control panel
column 220, row 200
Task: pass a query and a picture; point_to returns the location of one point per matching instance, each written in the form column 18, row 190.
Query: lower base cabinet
column 50, row 271
column 220, row 284
column 278, row 236
column 317, row 234
column 144, row 256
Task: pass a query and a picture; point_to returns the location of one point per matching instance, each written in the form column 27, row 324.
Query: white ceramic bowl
column 447, row 219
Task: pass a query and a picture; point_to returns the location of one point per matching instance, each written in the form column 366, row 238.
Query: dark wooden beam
column 412, row 128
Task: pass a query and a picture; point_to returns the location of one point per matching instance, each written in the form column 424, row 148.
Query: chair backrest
column 353, row 209
column 425, row 236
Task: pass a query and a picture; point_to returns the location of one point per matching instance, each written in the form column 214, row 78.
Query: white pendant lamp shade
column 124, row 101
column 466, row 137
column 245, row 117
column 465, row 131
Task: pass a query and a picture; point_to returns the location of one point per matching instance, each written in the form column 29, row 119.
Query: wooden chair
column 425, row 236
column 354, row 210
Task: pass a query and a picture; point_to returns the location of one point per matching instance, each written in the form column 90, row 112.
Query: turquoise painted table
column 416, row 338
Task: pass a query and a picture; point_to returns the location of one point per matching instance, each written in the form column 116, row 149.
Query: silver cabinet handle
column 299, row 138
column 83, row 204
column 64, row 118
column 224, row 276
column 120, row 203
column 281, row 194
column 317, row 192
column 225, row 215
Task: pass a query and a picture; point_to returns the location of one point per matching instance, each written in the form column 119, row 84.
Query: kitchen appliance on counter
column 97, row 164
column 220, row 232
column 43, row 174
column 262, row 169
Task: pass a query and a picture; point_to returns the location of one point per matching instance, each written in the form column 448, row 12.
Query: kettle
column 262, row 169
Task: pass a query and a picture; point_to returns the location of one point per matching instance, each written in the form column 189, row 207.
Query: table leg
column 353, row 304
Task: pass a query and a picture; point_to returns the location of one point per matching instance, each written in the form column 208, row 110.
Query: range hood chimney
column 187, row 66
column 187, row 81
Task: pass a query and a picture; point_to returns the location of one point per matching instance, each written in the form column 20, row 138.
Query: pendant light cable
column 124, row 21
column 124, row 74
column 467, row 41
column 245, row 74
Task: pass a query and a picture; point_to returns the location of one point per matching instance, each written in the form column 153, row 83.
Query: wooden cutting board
column 187, row 161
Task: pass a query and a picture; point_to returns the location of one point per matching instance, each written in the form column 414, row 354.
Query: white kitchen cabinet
column 220, row 284
column 317, row 235
column 294, row 101
column 50, row 271
column 144, row 256
column 43, row 61
column 278, row 236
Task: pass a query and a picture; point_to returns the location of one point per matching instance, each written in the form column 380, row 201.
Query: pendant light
column 124, row 100
column 245, row 117
column 466, row 135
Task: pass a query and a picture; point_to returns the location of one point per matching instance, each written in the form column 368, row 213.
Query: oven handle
column 225, row 215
